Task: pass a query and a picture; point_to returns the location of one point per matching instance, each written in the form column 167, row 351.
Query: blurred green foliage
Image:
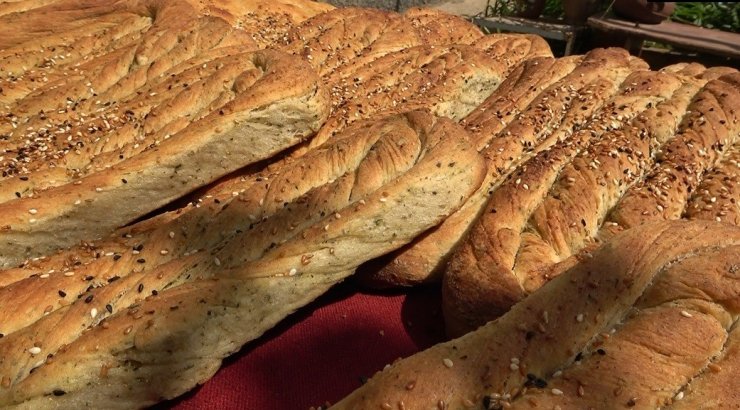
column 553, row 9
column 719, row 15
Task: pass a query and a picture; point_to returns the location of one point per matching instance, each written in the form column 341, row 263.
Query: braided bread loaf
column 650, row 321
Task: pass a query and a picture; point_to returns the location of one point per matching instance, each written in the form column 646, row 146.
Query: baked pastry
column 182, row 311
column 650, row 321
column 162, row 155
column 718, row 195
column 526, row 237
column 708, row 130
column 568, row 101
column 511, row 49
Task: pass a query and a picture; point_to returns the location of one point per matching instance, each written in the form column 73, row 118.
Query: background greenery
column 719, row 15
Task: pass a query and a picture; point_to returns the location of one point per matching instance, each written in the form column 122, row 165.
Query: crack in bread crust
column 528, row 356
column 577, row 212
column 384, row 212
column 564, row 106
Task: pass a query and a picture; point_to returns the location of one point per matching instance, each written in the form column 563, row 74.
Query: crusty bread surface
column 663, row 294
column 381, row 189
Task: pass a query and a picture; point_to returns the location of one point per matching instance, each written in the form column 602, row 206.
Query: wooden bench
column 555, row 30
column 685, row 36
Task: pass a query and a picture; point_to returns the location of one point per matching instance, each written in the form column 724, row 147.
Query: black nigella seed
column 62, row 293
column 109, row 308
column 89, row 298
column 141, row 260
column 58, row 392
column 141, row 287
column 601, row 352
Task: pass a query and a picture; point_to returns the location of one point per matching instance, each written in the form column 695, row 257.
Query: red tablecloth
column 321, row 353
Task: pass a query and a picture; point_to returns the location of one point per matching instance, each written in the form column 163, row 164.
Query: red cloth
column 322, row 352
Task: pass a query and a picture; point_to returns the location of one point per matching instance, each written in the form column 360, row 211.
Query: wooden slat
column 682, row 35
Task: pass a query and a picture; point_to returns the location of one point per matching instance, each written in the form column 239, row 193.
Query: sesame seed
column 33, row 211
column 579, row 318
column 557, row 374
column 293, row 272
column 44, row 276
column 557, row 392
column 447, row 362
column 34, row 350
column 171, row 235
column 98, row 189
column 679, row 396
column 93, row 312
column 164, row 252
column 32, row 220
column 217, row 261
column 515, row 360
column 514, row 366
column 383, row 199
column 686, row 314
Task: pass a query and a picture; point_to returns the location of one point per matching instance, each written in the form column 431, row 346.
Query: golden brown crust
column 501, row 261
column 381, row 199
column 436, row 27
column 448, row 80
column 256, row 110
column 19, row 6
column 324, row 40
column 715, row 387
column 512, row 49
column 562, row 107
column 718, row 196
column 582, row 340
column 706, row 133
